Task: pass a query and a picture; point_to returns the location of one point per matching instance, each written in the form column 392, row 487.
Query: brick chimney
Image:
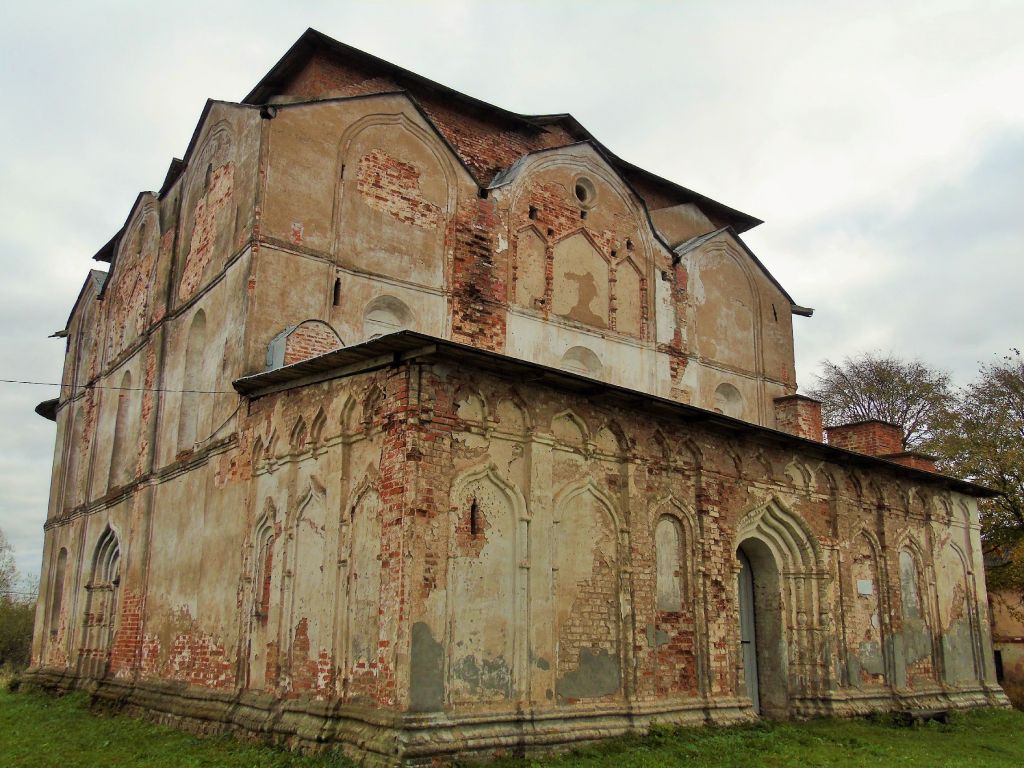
column 799, row 415
column 873, row 437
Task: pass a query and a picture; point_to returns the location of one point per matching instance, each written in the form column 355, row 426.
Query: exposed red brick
column 873, row 437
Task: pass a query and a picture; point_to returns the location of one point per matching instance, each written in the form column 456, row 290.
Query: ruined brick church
column 404, row 423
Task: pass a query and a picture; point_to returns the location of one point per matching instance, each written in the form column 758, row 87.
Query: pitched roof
column 533, row 131
column 396, row 348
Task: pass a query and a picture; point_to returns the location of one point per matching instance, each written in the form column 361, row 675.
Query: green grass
column 977, row 738
column 39, row 730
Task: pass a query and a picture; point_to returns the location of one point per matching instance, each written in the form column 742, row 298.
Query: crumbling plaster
column 428, row 557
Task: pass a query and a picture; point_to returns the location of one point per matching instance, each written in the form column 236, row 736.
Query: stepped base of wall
column 380, row 738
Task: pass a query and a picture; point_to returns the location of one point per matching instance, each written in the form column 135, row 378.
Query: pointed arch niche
column 677, row 619
column 406, row 224
column 866, row 646
column 960, row 637
column 918, row 657
column 588, row 623
column 193, row 381
column 124, row 443
column 488, row 530
column 101, row 605
column 265, row 552
column 308, row 628
column 364, row 589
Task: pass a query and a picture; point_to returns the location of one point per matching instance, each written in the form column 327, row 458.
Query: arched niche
column 488, row 532
column 629, row 299
column 77, row 456
column 470, row 406
column 530, row 268
column 309, row 626
column 728, row 401
column 194, row 380
column 398, row 191
column 310, row 338
column 587, row 625
column 669, row 558
column 866, row 645
column 583, row 361
column 128, row 292
column 364, row 590
column 511, row 416
column 57, row 591
column 570, row 429
column 915, row 637
column 124, row 446
column 960, row 636
column 725, row 308
column 384, row 315
column 580, row 287
column 208, row 215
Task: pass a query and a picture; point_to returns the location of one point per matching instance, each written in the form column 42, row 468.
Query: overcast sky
column 881, row 142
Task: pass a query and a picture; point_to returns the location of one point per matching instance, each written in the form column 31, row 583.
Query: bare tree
column 872, row 385
column 8, row 574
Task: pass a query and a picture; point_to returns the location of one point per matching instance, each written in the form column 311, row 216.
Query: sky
column 881, row 142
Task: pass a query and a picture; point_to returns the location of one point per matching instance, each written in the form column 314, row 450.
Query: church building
column 407, row 425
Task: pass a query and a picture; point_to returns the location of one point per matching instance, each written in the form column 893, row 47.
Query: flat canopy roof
column 405, row 346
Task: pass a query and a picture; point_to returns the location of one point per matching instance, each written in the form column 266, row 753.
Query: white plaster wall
column 626, row 363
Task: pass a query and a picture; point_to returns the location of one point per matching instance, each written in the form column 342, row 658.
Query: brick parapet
column 914, row 459
column 872, row 437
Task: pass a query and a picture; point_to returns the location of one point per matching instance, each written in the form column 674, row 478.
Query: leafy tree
column 872, row 385
column 16, row 613
column 981, row 438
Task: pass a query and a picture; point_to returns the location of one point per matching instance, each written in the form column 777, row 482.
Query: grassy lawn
column 38, row 730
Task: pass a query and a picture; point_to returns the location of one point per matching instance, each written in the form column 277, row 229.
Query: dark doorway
column 762, row 643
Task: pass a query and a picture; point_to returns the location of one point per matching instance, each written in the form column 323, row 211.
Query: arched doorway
column 762, row 643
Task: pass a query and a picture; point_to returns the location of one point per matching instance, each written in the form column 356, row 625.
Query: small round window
column 584, row 191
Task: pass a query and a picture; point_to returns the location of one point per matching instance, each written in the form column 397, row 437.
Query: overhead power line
column 134, row 389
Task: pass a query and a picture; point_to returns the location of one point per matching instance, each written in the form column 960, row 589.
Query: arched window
column 384, row 315
column 57, row 595
column 264, row 569
column 192, row 380
column 123, row 448
column 668, row 543
column 106, row 566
